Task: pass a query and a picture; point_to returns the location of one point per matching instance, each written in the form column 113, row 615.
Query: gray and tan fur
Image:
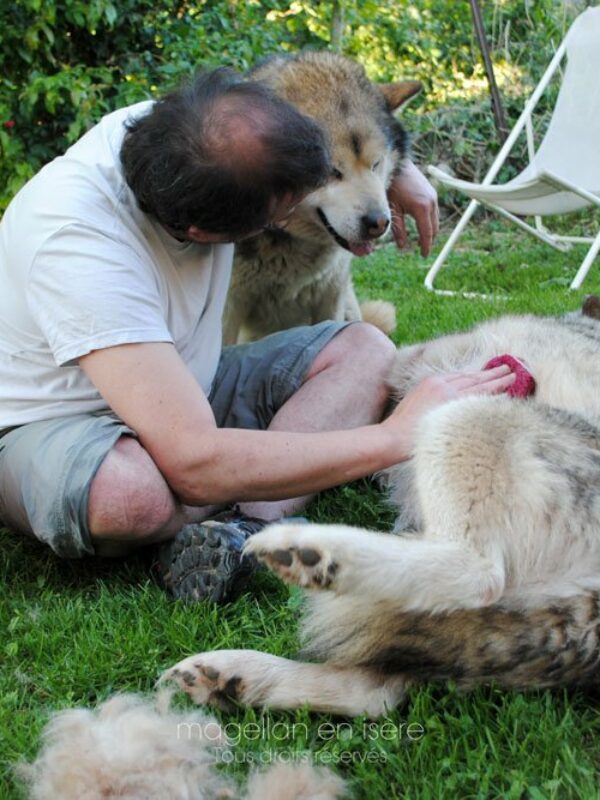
column 301, row 275
column 494, row 573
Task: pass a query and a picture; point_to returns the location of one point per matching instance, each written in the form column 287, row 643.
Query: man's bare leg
column 130, row 503
column 345, row 388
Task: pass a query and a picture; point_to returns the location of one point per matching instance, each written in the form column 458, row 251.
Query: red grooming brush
column 524, row 383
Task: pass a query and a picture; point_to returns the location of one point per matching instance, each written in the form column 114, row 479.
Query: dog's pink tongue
column 361, row 248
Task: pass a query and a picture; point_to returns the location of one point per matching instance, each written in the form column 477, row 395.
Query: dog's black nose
column 374, row 224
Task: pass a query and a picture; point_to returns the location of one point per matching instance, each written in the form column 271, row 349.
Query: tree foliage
column 65, row 63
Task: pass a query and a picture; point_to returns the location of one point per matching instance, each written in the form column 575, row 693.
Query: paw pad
column 308, row 556
column 283, row 557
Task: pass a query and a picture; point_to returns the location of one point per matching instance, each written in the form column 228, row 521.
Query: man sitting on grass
column 122, row 422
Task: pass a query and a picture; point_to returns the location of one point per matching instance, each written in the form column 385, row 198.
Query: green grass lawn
column 72, row 633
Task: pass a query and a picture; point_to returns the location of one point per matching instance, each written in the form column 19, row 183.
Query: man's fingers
column 496, row 386
column 411, row 193
column 430, row 229
column 425, row 232
column 491, row 381
column 467, row 379
column 399, row 229
column 421, row 214
column 435, row 221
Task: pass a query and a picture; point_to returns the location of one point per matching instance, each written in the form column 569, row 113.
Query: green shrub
column 65, row 63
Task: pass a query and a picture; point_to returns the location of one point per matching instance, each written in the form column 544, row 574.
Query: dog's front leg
column 249, row 677
column 328, row 304
column 352, row 310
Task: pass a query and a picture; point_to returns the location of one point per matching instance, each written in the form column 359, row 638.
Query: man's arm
column 151, row 389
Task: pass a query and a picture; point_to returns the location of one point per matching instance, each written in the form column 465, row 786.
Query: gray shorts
column 46, row 468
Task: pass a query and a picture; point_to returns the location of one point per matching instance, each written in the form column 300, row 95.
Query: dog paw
column 209, row 678
column 299, row 554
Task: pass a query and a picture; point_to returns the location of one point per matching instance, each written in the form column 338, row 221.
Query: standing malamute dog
column 301, row 275
column 496, row 573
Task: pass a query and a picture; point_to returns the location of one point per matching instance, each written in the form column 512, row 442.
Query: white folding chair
column 563, row 174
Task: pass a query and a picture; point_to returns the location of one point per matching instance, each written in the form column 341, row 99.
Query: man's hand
column 411, row 193
column 439, row 389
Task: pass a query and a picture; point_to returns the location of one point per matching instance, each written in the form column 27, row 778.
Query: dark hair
column 218, row 152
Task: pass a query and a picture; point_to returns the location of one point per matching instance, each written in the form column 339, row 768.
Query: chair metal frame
column 539, row 230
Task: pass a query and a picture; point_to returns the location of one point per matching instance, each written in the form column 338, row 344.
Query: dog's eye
column 375, row 165
column 335, row 173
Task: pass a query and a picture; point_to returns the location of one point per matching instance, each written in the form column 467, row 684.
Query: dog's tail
column 379, row 313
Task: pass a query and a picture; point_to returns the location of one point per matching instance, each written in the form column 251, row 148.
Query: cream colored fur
column 380, row 314
column 130, row 748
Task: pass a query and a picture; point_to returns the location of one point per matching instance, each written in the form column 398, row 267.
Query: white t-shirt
column 82, row 268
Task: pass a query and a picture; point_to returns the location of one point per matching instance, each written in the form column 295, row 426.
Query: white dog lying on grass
column 496, row 576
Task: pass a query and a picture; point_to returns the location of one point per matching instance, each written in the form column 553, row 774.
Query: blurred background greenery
column 65, row 63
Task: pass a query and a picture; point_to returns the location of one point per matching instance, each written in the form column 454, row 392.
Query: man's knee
column 129, row 498
column 360, row 345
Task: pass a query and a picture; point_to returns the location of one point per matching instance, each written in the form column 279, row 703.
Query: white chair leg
column 437, row 264
column 587, row 263
column 543, row 235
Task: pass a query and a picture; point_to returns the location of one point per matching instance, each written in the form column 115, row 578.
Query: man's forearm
column 149, row 387
column 231, row 464
column 204, row 464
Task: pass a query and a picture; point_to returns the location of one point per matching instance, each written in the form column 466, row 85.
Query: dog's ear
column 396, row 94
column 591, row 306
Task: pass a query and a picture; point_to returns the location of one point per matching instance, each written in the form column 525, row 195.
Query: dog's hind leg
column 499, row 483
column 534, row 642
column 417, row 574
column 226, row 677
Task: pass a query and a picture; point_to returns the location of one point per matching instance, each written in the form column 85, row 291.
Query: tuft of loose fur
column 133, row 748
column 129, row 748
column 379, row 313
column 295, row 782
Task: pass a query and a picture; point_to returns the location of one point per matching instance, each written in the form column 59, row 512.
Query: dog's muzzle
column 373, row 225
